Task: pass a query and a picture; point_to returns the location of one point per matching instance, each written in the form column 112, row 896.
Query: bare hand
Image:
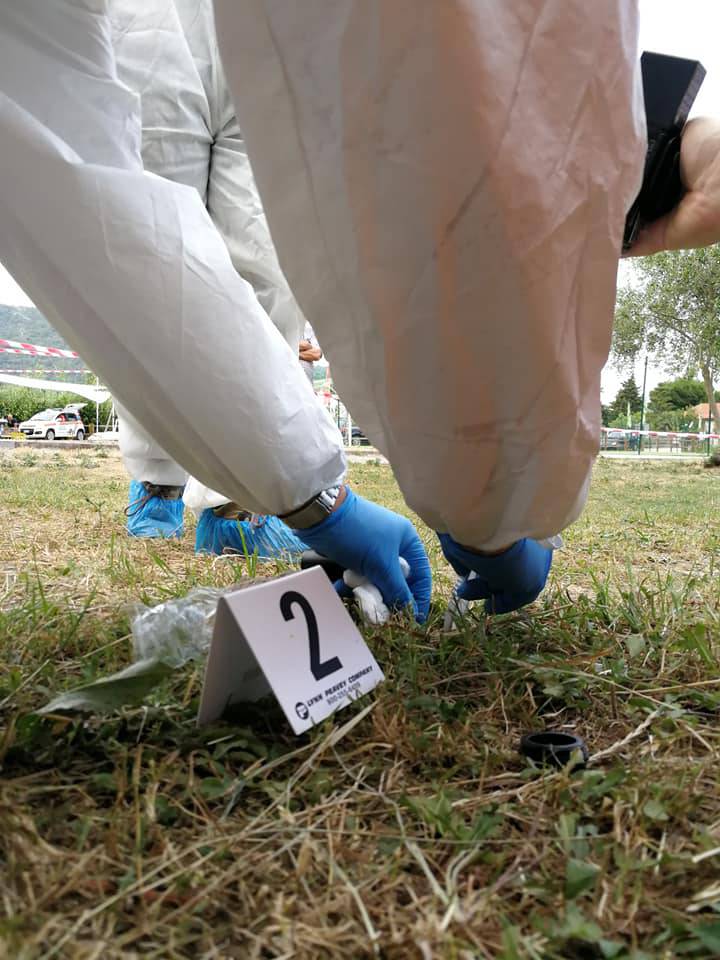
column 695, row 222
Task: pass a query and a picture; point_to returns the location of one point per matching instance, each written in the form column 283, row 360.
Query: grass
column 407, row 826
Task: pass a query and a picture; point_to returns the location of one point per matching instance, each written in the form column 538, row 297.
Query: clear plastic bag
column 178, row 630
column 165, row 637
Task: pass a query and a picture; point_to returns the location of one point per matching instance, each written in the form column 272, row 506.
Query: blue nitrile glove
column 506, row 581
column 370, row 540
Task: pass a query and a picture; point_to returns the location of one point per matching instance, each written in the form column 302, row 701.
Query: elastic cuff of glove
column 522, row 553
column 508, row 553
column 472, row 559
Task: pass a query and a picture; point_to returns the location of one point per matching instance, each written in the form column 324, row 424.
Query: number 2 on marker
column 319, row 668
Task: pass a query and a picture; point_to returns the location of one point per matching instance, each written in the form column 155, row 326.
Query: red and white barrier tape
column 32, row 349
column 662, row 433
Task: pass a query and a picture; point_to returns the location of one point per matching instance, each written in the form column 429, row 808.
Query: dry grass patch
column 406, row 827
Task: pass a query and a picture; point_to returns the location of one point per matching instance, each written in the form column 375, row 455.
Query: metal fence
column 657, row 441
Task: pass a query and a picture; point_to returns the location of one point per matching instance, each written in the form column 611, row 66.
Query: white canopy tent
column 90, row 391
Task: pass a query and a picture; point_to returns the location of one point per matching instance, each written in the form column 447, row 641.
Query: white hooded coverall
column 166, row 51
column 446, row 185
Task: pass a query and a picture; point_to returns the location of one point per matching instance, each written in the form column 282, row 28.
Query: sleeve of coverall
column 168, row 54
column 234, row 205
column 131, row 270
column 446, row 185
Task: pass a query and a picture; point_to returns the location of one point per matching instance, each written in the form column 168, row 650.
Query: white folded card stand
column 291, row 637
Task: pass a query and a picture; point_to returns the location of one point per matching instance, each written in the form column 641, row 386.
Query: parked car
column 614, row 440
column 358, row 437
column 51, row 424
column 619, row 440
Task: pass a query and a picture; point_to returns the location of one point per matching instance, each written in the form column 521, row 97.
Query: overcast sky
column 690, row 28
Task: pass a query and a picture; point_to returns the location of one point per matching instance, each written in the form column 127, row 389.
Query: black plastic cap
column 554, row 748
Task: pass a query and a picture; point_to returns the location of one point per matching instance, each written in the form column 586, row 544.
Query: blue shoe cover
column 263, row 536
column 149, row 516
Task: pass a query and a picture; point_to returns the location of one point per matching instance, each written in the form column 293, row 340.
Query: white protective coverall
column 131, row 270
column 446, row 185
column 166, row 51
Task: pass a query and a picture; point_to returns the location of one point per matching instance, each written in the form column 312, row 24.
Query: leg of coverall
column 130, row 269
column 153, row 57
column 155, row 504
column 168, row 53
column 234, row 205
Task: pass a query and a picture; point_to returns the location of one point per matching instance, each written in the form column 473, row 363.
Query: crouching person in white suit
column 167, row 53
column 132, row 270
column 446, row 185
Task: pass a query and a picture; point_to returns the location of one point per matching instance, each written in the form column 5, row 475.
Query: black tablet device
column 670, row 85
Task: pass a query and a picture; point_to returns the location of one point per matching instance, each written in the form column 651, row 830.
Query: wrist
column 487, row 553
column 317, row 509
column 340, row 498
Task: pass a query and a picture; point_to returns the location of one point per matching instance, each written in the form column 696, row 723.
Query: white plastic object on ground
column 368, row 598
column 457, row 609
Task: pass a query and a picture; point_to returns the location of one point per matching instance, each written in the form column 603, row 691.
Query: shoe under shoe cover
column 265, row 536
column 153, row 516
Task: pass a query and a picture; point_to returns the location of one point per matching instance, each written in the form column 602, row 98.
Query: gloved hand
column 506, row 581
column 370, row 540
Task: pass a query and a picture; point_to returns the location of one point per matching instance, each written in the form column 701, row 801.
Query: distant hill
column 28, row 325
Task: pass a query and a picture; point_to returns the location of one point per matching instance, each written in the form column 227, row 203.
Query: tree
column 676, row 395
column 627, row 396
column 671, row 404
column 674, row 315
column 681, row 421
